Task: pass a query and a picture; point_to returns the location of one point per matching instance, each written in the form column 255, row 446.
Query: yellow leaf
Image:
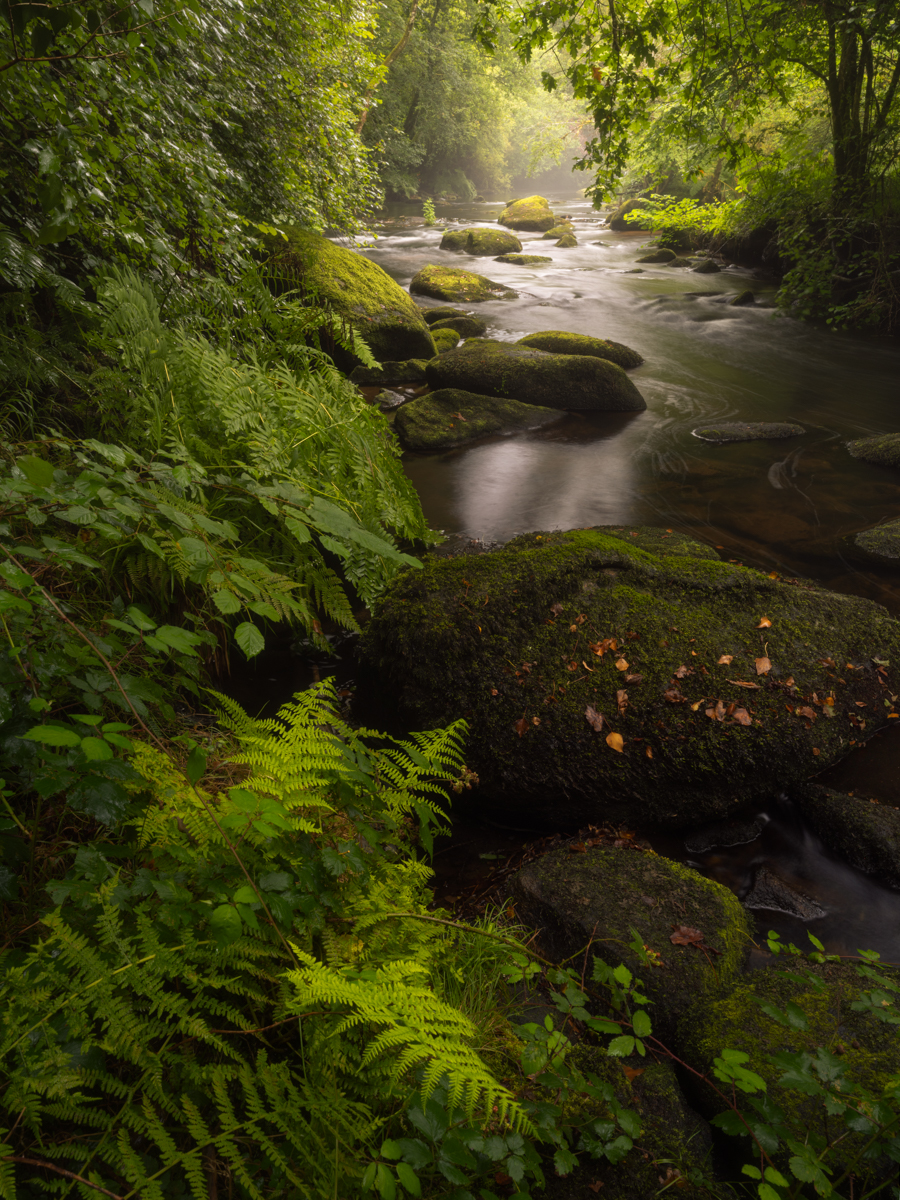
column 763, row 665
column 615, row 742
column 765, row 623
column 621, row 664
column 726, row 659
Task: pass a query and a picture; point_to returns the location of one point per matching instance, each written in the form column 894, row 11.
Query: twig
column 47, row 1166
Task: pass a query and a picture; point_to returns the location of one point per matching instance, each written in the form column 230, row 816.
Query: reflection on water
column 788, row 506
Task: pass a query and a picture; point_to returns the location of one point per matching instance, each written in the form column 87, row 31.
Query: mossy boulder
column 743, row 299
column 707, row 267
column 662, row 255
column 600, row 896
column 432, row 315
column 449, row 417
column 864, row 834
column 617, row 220
column 570, row 381
column 532, row 214
column 450, row 283
column 445, row 339
column 388, row 319
column 524, row 260
column 466, row 327
column 511, row 641
column 883, row 450
column 557, row 231
column 679, row 262
column 454, row 239
column 567, row 241
column 883, row 541
column 411, row 371
column 490, row 242
column 747, row 431
column 558, row 341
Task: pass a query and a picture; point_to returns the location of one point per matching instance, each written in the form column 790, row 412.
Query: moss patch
column 866, row 835
column 489, row 242
column 747, row 431
column 378, row 308
column 570, row 381
column 533, row 213
column 450, row 283
column 445, row 339
column 883, row 541
column 523, row 260
column 658, row 256
column 507, row 637
column 454, row 239
column 466, row 327
column 450, row 417
column 707, row 267
column 441, row 313
column 679, row 262
column 557, row 341
column 412, row 371
column 883, row 449
column 557, row 231
column 567, row 241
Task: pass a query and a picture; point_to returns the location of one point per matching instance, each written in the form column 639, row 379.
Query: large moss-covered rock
column 707, row 267
column 883, row 449
column 600, row 896
column 359, row 290
column 617, row 220
column 524, row 260
column 490, row 242
column 441, row 313
column 466, row 327
column 533, row 214
column 662, row 255
column 570, row 381
column 511, row 641
column 412, row 371
column 864, row 834
column 454, row 239
column 451, row 283
column 558, row 341
column 882, row 541
column 567, row 241
column 557, row 231
column 445, row 339
column 450, row 417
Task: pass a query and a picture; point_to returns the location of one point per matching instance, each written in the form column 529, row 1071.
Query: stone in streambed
column 747, row 431
column 557, row 231
column 618, row 222
column 707, row 267
column 490, row 242
column 465, row 326
column 658, row 256
column 679, row 262
column 453, row 284
column 558, row 341
column 864, row 834
column 743, row 299
column 883, row 450
column 674, row 610
column 454, row 239
column 445, row 339
column 442, row 312
column 523, row 260
column 571, row 381
column 883, row 541
column 567, row 241
column 449, row 417
column 388, row 400
column 385, row 316
column 531, row 214
column 411, row 371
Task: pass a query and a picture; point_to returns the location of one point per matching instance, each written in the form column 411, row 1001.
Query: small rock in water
column 707, row 267
column 451, row 416
column 743, row 298
column 770, row 892
column 523, row 260
column 882, row 541
column 453, row 284
column 659, row 256
column 442, row 312
column 883, row 449
column 388, row 400
column 726, row 833
column 567, row 240
column 747, row 431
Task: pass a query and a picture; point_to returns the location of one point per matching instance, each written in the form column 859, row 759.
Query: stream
column 790, row 507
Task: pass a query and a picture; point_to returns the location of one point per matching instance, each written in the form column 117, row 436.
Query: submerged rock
column 617, row 220
column 883, row 541
column 523, row 260
column 533, row 214
column 445, row 339
column 465, row 326
column 571, row 381
column 411, row 371
column 883, row 449
column 747, row 431
column 542, row 686
column 603, row 895
column 773, row 894
column 449, row 417
column 558, row 341
column 359, row 290
column 707, row 267
column 451, row 283
column 659, row 256
column 743, row 299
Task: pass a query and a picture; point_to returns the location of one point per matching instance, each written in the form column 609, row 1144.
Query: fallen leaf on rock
column 765, row 623
column 572, row 666
column 622, row 700
column 681, row 671
column 673, row 695
column 581, row 618
column 598, row 1183
column 742, row 716
column 615, row 741
column 521, row 725
column 744, row 683
column 556, row 608
column 763, row 665
column 717, row 713
column 632, row 1072
column 860, row 704
column 535, row 720
column 726, row 659
column 685, row 935
column 634, row 679
column 493, row 691
column 621, row 664
column 806, row 711
column 694, row 707
column 573, row 629
column 649, row 752
column 586, row 667
column 593, row 718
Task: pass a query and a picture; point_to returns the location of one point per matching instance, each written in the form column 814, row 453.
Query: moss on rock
column 883, row 450
column 679, row 262
column 533, row 213
column 707, row 267
column 449, row 417
column 524, row 260
column 514, row 634
column 864, row 834
column 454, row 239
column 601, row 896
column 557, row 231
column 411, row 371
column 883, row 541
column 490, row 242
column 441, row 313
column 747, row 431
column 558, row 341
column 445, row 339
column 567, row 241
column 662, row 255
column 570, row 381
column 617, row 220
column 378, row 308
column 466, row 327
column 450, row 283
column 743, row 299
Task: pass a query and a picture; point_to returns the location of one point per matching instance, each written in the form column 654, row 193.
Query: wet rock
column 883, row 450
column 523, row 260
column 466, row 327
column 743, row 299
column 378, row 308
column 659, row 256
column 567, row 241
column 772, row 893
column 490, row 242
column 864, row 834
column 411, row 371
column 707, row 267
column 451, row 283
column 605, row 894
column 557, row 231
column 679, row 262
column 388, row 400
column 883, row 541
column 442, row 312
column 634, row 271
column 533, row 214
column 570, row 381
column 445, row 339
column 724, row 834
column 450, row 417
column 454, row 239
column 547, row 604
column 747, row 431
column 558, row 341
column 617, row 220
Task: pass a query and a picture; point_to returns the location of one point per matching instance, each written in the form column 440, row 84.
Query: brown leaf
column 673, row 695
column 621, row 664
column 535, row 720
column 717, row 713
column 615, row 741
column 572, row 666
column 573, row 629
column 521, row 725
column 622, row 701
column 744, row 683
column 598, row 1183
column 593, row 718
column 860, row 704
column 649, row 752
column 742, row 716
column 726, row 659
column 634, row 679
column 806, row 711
column 586, row 667
column 682, row 671
column 765, row 623
column 632, row 1072
column 493, row 691
column 686, row 935
column 763, row 665
column 556, row 608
